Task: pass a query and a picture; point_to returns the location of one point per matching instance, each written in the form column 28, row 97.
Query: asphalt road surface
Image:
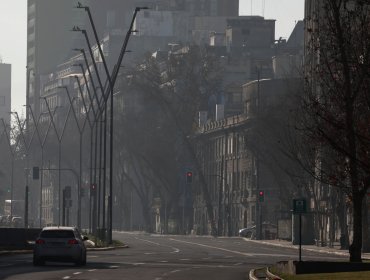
column 157, row 257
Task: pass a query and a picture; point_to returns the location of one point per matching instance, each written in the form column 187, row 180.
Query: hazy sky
column 13, row 34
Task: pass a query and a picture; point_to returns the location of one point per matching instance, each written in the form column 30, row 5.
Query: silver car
column 61, row 244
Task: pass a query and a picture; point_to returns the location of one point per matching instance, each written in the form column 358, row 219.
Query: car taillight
column 72, row 241
column 40, row 241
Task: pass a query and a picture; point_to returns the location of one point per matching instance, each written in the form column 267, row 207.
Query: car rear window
column 57, row 234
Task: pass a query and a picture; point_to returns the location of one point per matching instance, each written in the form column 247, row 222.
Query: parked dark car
column 61, row 244
column 249, row 232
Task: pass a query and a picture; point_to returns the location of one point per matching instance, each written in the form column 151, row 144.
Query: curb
column 303, row 248
column 107, row 248
column 251, row 275
column 15, row 252
column 18, row 252
column 272, row 276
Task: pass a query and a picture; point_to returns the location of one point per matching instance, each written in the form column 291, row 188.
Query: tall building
column 5, row 92
column 212, row 7
column 50, row 40
column 195, row 7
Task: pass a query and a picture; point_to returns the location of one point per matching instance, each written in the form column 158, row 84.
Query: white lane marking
column 91, row 270
column 77, row 273
column 236, row 264
column 213, row 247
column 164, row 261
column 66, row 277
column 176, row 250
column 174, row 271
column 138, row 263
column 148, row 241
column 158, row 278
column 113, row 266
column 150, row 253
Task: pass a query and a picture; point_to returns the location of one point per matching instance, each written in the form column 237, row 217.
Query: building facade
column 239, row 159
column 5, row 92
column 48, row 47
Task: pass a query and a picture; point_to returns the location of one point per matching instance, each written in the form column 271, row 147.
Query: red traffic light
column 189, row 177
column 261, row 196
column 93, row 190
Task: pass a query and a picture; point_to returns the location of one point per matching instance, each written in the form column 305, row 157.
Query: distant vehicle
column 17, row 221
column 269, row 231
column 249, row 232
column 60, row 244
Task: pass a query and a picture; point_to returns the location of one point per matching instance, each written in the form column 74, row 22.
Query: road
column 156, row 257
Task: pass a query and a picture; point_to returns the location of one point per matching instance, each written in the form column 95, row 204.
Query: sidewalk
column 313, row 248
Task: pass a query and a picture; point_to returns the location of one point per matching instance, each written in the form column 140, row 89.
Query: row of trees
column 328, row 136
column 334, row 123
column 160, row 101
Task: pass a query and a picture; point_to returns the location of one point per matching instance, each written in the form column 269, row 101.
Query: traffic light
column 68, row 192
column 261, row 196
column 93, row 190
column 189, row 177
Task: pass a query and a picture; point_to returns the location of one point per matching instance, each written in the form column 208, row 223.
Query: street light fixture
column 42, row 142
column 109, row 93
column 27, row 147
column 59, row 138
column 12, row 154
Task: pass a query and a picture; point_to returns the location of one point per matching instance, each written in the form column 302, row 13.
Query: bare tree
column 336, row 105
column 171, row 91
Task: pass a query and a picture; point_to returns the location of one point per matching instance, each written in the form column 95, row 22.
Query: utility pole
column 258, row 182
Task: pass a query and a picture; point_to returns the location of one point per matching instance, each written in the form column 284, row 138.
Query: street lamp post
column 100, row 114
column 12, row 155
column 42, row 142
column 59, row 138
column 26, row 146
column 93, row 217
column 80, row 131
column 112, row 79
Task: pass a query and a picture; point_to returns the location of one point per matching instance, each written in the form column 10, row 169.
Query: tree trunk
column 356, row 246
column 342, row 220
column 365, row 228
column 147, row 219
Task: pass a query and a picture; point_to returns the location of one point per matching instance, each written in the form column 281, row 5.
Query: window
column 57, row 234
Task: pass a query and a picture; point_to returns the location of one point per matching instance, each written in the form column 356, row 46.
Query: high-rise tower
column 50, row 40
column 5, row 92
